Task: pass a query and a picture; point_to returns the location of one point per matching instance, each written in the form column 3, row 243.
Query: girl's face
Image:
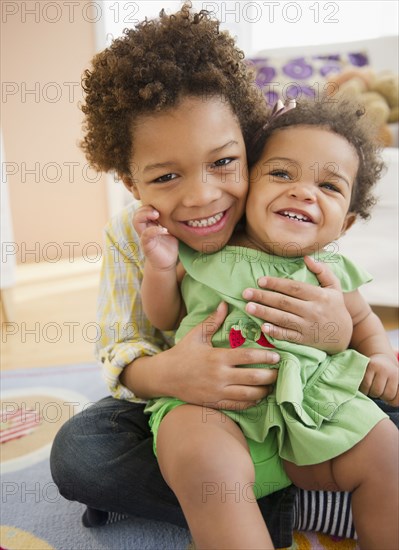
column 189, row 163
column 300, row 191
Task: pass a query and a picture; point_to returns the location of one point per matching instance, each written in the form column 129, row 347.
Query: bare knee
column 315, row 477
column 193, row 452
column 374, row 458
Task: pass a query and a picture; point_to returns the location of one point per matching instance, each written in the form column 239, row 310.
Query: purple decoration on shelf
column 308, row 91
column 296, row 91
column 256, row 60
column 265, row 75
column 330, row 68
column 298, row 68
column 335, row 57
column 358, row 59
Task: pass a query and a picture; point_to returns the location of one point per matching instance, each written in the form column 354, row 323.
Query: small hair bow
column 280, row 108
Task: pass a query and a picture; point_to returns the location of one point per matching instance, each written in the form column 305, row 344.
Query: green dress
column 316, row 411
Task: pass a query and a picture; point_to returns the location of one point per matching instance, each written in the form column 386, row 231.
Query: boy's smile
column 189, row 163
column 300, row 191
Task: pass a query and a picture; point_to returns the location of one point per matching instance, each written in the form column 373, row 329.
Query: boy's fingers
column 143, row 216
column 146, row 211
column 251, row 356
column 149, row 237
column 256, row 377
column 326, row 278
column 274, row 289
column 241, row 397
column 294, row 289
column 154, row 231
column 212, row 323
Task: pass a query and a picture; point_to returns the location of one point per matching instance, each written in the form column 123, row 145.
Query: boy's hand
column 159, row 246
column 300, row 312
column 382, row 379
column 211, row 377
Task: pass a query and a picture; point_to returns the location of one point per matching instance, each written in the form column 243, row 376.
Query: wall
column 55, row 199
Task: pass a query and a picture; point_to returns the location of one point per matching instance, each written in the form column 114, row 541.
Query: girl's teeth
column 295, row 216
column 205, row 222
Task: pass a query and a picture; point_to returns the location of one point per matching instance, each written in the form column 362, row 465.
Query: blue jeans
column 103, row 457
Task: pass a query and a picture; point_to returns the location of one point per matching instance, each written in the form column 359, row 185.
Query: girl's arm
column 160, row 291
column 369, row 338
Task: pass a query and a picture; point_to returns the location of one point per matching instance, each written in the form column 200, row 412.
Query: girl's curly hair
column 150, row 69
column 347, row 119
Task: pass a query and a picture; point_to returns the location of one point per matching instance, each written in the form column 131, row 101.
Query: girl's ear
column 131, row 186
column 349, row 221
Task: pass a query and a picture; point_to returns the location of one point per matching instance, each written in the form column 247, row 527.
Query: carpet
column 35, row 403
column 34, row 516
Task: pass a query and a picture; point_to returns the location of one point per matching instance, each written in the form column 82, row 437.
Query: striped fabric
column 18, row 423
column 325, row 512
column 114, row 517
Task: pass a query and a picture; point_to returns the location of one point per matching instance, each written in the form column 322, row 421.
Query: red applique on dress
column 247, row 331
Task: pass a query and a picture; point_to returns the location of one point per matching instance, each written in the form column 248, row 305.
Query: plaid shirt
column 126, row 333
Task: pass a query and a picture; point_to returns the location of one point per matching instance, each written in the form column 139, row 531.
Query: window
column 259, row 24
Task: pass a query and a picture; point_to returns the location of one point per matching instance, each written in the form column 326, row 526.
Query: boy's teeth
column 206, row 222
column 295, row 216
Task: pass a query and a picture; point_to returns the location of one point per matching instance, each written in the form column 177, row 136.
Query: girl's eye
column 165, row 178
column 330, row 187
column 280, row 174
column 223, row 162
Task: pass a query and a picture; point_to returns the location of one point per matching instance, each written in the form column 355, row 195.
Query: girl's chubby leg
column 204, row 458
column 370, row 470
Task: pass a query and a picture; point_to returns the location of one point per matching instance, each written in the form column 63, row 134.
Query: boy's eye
column 223, row 162
column 165, row 178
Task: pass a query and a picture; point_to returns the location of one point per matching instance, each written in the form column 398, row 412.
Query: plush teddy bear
column 378, row 92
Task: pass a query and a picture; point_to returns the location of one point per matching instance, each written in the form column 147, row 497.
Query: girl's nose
column 303, row 192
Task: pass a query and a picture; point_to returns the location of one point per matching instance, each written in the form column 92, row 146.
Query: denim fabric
column 392, row 412
column 103, row 457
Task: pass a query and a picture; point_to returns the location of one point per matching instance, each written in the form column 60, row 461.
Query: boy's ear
column 131, row 186
column 349, row 221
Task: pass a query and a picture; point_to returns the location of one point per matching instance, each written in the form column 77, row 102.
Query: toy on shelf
column 378, row 92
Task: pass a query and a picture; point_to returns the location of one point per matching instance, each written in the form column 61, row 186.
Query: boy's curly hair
column 150, row 69
column 347, row 119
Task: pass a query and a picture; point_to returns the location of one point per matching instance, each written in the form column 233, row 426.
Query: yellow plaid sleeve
column 126, row 333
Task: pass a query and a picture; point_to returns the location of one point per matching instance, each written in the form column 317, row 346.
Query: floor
column 52, row 315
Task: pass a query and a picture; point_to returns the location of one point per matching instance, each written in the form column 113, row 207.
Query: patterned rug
column 34, row 516
column 35, row 403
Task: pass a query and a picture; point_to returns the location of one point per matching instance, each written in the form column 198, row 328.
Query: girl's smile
column 300, row 191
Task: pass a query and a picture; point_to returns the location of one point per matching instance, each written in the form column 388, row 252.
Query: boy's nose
column 200, row 193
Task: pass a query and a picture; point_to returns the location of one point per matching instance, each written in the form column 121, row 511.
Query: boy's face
column 189, row 163
column 300, row 191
